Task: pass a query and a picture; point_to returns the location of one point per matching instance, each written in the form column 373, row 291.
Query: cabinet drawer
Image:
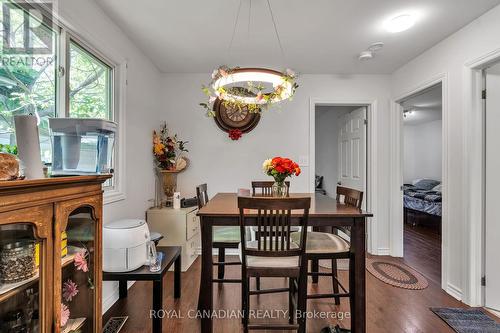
column 192, row 225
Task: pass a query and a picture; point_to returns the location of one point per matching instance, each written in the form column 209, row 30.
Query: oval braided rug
column 396, row 274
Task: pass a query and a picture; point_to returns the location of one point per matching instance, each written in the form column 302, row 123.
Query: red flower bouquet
column 280, row 168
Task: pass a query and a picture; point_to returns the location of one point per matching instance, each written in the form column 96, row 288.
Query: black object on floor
column 335, row 329
column 114, row 324
column 467, row 320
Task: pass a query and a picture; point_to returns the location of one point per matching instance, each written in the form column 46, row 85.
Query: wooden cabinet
column 180, row 227
column 50, row 254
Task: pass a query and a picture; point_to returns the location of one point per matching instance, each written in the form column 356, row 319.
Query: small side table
column 171, row 256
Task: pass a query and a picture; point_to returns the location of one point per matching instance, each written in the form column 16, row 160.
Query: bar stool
column 324, row 245
column 274, row 256
column 223, row 238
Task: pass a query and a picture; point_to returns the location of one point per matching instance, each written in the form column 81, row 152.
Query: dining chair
column 223, row 238
column 264, row 188
column 329, row 245
column 274, row 256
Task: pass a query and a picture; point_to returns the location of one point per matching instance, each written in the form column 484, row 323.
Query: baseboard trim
column 108, row 302
column 454, row 291
column 383, row 251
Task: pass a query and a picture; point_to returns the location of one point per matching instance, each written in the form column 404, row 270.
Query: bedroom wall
column 449, row 57
column 327, row 135
column 142, row 105
column 422, row 151
column 228, row 165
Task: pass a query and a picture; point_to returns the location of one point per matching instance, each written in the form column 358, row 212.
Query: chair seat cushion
column 226, row 234
column 322, row 242
column 269, row 262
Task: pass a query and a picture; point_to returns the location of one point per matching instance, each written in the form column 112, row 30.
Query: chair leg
column 314, row 269
column 222, row 258
column 246, row 302
column 302, row 300
column 334, row 281
column 291, row 295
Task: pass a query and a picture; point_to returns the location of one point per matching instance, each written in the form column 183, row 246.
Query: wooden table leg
column 205, row 299
column 315, row 264
column 157, row 305
column 177, row 277
column 358, row 247
column 122, row 288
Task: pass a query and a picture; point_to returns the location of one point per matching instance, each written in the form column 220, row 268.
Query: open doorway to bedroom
column 422, row 179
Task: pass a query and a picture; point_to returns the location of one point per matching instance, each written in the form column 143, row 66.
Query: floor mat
column 396, row 274
column 467, row 320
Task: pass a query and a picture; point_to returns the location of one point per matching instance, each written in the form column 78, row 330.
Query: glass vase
column 279, row 190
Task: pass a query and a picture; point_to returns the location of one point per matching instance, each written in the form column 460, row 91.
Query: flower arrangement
column 280, row 168
column 167, row 149
column 263, row 99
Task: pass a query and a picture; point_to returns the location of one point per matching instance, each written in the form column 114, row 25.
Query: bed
column 422, row 202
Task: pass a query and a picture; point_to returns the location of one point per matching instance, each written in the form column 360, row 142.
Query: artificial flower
column 235, row 134
column 259, row 96
column 223, row 72
column 81, row 262
column 69, row 290
column 267, row 165
column 214, row 74
column 290, row 73
column 64, row 314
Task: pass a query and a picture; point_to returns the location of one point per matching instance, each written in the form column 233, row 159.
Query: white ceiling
column 318, row 36
column 425, row 107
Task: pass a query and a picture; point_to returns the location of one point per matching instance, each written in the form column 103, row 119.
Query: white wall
column 228, row 165
column 422, row 151
column 328, row 120
column 449, row 57
column 142, row 106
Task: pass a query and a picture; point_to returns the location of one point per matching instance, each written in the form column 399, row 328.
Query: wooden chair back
column 351, row 196
column 265, row 187
column 202, row 195
column 272, row 213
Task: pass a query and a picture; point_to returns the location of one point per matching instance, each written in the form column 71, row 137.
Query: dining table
column 325, row 212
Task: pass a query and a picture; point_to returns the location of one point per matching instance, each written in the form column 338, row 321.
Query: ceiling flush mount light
column 400, row 23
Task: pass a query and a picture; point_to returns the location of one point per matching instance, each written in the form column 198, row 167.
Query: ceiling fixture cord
column 276, row 29
column 234, row 31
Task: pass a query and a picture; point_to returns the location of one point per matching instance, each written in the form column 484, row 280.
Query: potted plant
column 167, row 150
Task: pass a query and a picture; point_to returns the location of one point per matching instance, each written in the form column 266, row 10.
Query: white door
column 352, row 150
column 492, row 214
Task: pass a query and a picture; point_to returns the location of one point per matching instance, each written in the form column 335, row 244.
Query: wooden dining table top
column 226, row 205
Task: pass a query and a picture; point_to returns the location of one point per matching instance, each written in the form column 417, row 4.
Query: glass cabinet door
column 78, row 292
column 24, row 271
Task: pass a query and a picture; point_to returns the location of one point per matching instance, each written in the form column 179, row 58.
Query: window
column 48, row 71
column 89, row 85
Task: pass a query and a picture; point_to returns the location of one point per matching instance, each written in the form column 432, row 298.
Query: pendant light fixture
column 251, row 88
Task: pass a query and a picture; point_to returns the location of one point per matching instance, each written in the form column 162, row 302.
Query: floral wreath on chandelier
column 250, row 91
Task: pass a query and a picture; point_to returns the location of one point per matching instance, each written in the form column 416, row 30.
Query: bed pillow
column 426, row 184
column 438, row 188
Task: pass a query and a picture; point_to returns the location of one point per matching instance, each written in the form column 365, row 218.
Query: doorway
column 422, row 173
column 491, row 275
column 340, row 151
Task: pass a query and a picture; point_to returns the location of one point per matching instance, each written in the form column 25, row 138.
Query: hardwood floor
column 389, row 309
column 422, row 251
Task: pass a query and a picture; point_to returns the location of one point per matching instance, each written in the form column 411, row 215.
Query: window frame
column 67, row 33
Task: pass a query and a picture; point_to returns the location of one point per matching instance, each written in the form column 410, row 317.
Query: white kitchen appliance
column 125, row 245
